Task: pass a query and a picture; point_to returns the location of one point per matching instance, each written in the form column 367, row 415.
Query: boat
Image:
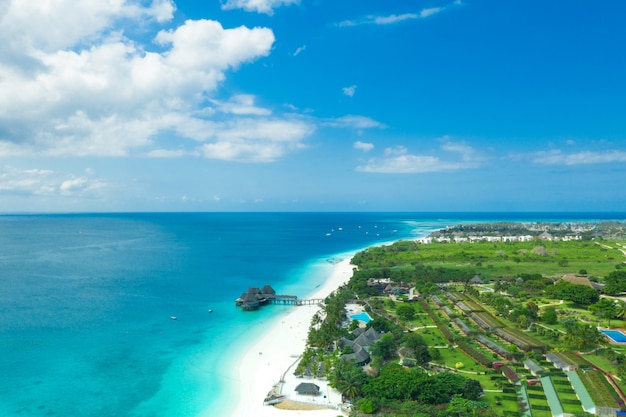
column 173, row 317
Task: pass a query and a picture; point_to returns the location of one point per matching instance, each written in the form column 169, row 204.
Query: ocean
column 87, row 300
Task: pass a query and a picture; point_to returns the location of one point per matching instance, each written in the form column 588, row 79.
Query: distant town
column 526, row 232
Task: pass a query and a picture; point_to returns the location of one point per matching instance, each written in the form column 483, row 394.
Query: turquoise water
column 86, row 301
column 363, row 316
column 615, row 335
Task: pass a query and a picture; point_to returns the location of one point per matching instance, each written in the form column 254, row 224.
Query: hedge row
column 541, row 407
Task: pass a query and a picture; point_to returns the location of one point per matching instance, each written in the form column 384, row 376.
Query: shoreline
column 276, row 353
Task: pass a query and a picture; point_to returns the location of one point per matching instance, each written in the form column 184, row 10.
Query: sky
column 312, row 105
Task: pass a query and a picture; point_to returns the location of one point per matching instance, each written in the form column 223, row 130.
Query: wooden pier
column 293, row 300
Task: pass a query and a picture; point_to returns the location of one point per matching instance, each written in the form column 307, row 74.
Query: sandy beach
column 275, row 354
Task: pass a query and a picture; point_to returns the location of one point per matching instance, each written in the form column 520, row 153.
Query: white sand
column 275, row 354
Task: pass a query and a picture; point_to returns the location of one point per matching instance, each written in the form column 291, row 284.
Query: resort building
column 365, row 338
column 533, row 368
column 559, row 361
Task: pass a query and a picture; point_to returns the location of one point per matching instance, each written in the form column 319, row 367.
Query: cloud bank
column 87, row 89
column 398, row 160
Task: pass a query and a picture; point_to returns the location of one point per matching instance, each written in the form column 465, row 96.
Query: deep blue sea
column 86, row 300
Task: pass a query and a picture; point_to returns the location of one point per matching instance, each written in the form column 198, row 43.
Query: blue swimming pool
column 363, row 316
column 615, row 335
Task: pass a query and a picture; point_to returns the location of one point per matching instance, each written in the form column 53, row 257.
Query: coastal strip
column 273, row 358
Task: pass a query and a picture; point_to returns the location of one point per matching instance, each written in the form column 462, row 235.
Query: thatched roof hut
column 307, row 388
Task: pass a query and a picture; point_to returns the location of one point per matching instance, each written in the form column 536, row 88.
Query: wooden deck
column 293, row 300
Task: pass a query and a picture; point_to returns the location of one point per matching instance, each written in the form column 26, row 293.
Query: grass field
column 494, row 260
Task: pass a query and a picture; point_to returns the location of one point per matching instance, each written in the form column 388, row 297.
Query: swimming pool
column 615, row 335
column 364, row 317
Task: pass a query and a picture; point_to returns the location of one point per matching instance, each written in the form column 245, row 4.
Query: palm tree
column 620, row 309
column 315, row 320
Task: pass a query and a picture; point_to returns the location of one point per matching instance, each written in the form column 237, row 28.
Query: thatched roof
column 360, row 355
column 367, row 338
column 476, row 280
column 307, row 388
column 267, row 290
column 573, row 279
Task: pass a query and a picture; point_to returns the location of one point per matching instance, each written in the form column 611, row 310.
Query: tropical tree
column 348, row 379
column 620, row 309
column 605, row 308
column 549, row 316
column 463, row 407
column 405, row 312
column 418, row 346
column 533, row 309
column 385, row 347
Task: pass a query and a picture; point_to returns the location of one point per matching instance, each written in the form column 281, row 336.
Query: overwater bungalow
column 255, row 297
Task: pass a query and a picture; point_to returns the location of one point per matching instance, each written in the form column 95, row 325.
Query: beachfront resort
column 483, row 328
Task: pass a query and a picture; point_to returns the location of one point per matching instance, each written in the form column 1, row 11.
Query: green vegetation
column 483, row 309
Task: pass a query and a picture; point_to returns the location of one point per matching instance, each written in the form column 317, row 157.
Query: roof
column 551, row 396
column 307, row 388
column 268, row 290
column 573, row 279
column 581, row 391
column 532, row 366
column 367, row 338
column 560, row 362
column 476, row 280
column 359, row 357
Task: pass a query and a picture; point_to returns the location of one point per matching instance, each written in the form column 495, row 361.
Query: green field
column 494, row 260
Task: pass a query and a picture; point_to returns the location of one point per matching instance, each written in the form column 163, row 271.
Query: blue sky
column 312, row 105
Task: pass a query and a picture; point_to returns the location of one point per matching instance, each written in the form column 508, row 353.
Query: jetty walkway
column 255, row 298
column 294, row 300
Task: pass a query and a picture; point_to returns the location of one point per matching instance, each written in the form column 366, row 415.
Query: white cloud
column 168, row 153
column 398, row 160
column 467, row 153
column 243, row 104
column 259, row 6
column 56, row 24
column 256, row 140
column 388, row 20
column 363, row 146
column 113, row 96
column 429, row 12
column 354, row 121
column 45, row 182
column 396, row 18
column 349, row 91
column 557, row 157
column 299, row 50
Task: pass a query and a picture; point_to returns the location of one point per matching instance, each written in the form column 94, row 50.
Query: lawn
column 507, row 403
column 451, row 356
column 432, row 337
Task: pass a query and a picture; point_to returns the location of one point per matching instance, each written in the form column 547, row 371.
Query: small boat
column 210, row 310
column 173, row 317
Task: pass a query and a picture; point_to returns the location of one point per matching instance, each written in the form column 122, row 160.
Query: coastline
column 276, row 353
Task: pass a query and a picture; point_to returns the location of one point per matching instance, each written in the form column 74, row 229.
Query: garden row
column 462, row 345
